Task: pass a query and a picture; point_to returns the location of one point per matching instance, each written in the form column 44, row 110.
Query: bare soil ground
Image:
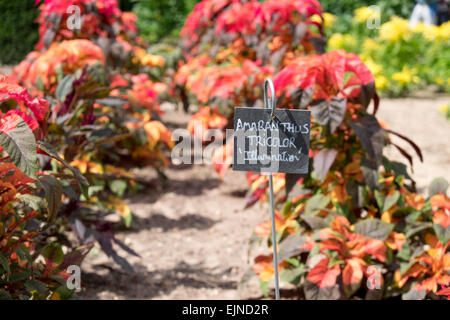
column 193, row 234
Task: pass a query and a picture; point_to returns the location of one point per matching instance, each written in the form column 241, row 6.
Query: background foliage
column 18, row 32
column 390, row 7
column 158, row 19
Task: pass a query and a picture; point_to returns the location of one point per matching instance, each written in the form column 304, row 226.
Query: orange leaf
column 353, row 272
column 322, row 276
column 376, row 248
column 440, row 201
column 441, row 217
column 415, row 200
column 395, row 240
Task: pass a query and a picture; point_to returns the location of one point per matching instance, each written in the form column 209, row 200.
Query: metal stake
column 272, row 105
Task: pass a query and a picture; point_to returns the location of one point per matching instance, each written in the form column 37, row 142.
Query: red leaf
column 29, row 120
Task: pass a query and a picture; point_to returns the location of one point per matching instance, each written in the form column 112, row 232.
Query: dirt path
column 193, row 234
column 421, row 121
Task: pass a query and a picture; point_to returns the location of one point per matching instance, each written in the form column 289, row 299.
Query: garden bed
column 193, row 234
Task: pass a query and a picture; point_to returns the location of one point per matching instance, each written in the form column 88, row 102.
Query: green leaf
column 4, row 295
column 290, row 246
column 413, row 216
column 264, row 285
column 293, row 275
column 438, row 185
column 417, row 227
column 54, row 253
column 400, row 169
column 127, row 220
column 18, row 141
column 21, row 254
column 315, row 204
column 316, row 222
column 65, row 86
column 94, row 189
column 118, row 187
column 374, row 228
column 39, row 83
column 287, row 208
column 405, row 253
column 442, row 233
column 53, row 194
column 391, row 200
column 414, row 295
column 82, row 182
column 35, row 285
column 34, row 202
column 294, row 261
column 380, row 200
column 334, row 259
column 4, row 263
column 19, row 276
column 64, row 293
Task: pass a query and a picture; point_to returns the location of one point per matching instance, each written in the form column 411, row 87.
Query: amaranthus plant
column 354, row 226
column 104, row 110
column 32, row 264
column 231, row 46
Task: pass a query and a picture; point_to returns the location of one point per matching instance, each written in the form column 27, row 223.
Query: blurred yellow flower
column 329, row 20
column 375, row 68
column 365, row 13
column 115, row 203
column 153, row 60
column 405, row 76
column 350, row 40
column 381, row 82
column 439, row 80
column 433, row 33
column 445, row 108
column 365, row 56
column 419, row 28
column 339, row 41
column 396, row 29
column 444, row 30
column 369, row 45
column 316, row 18
column 147, row 59
column 336, row 41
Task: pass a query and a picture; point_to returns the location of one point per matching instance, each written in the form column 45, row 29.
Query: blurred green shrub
column 344, row 10
column 344, row 7
column 18, row 32
column 158, row 19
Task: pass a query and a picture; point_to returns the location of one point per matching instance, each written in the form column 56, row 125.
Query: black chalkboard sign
column 263, row 143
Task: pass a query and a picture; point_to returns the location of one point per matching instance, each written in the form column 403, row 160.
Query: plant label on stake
column 267, row 144
column 270, row 140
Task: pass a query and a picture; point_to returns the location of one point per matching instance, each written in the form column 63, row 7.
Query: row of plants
column 98, row 104
column 230, row 47
column 403, row 58
column 32, row 263
column 356, row 211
